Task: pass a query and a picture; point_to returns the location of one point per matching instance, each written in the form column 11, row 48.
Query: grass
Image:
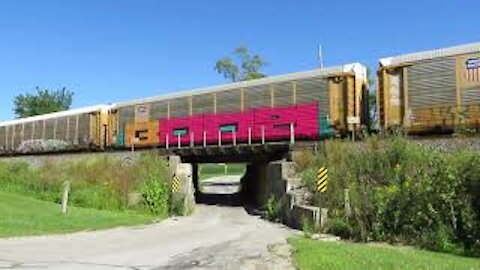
column 22, row 215
column 213, row 170
column 310, row 255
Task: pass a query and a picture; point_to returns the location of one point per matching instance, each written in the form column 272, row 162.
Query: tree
column 43, row 102
column 247, row 67
column 372, row 99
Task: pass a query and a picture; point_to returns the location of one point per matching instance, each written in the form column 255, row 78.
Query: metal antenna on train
column 320, row 56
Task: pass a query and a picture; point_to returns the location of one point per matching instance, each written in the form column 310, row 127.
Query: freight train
column 308, row 105
column 431, row 92
column 425, row 92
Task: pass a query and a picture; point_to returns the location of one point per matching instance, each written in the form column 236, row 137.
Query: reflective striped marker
column 175, row 184
column 322, row 179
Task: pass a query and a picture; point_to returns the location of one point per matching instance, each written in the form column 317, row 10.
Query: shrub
column 155, row 197
column 339, row 227
column 308, row 227
column 439, row 240
column 273, row 208
column 400, row 191
column 177, row 204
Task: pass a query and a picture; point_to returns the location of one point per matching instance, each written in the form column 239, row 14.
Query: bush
column 273, row 208
column 339, row 227
column 308, row 227
column 177, row 204
column 155, row 197
column 400, row 191
column 439, row 240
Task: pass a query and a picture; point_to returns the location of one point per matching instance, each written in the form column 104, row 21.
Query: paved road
column 226, row 184
column 214, row 237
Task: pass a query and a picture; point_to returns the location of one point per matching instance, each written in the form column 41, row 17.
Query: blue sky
column 107, row 51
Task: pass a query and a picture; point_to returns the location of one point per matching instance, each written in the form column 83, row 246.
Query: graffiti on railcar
column 464, row 114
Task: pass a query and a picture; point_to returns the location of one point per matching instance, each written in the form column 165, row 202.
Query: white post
column 219, row 138
column 191, row 140
column 166, row 142
column 234, row 138
column 179, row 143
column 204, row 138
column 249, row 135
column 348, row 209
column 292, row 133
column 66, row 190
column 323, row 217
column 263, row 134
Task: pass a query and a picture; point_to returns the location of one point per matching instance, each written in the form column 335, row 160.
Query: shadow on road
column 234, row 199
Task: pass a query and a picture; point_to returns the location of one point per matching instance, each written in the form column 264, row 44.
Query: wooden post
column 348, row 209
column 66, row 191
column 323, row 217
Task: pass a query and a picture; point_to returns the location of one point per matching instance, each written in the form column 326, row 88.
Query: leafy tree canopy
column 42, row 102
column 243, row 66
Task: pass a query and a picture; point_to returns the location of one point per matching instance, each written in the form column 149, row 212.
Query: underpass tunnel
column 235, row 176
column 219, row 183
column 237, row 184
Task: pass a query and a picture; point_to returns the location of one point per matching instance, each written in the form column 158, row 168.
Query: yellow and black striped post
column 322, row 179
column 175, row 184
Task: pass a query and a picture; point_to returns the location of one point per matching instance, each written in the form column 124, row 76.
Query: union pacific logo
column 473, row 63
column 472, row 70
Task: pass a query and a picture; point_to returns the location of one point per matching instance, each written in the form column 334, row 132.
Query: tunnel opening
column 219, row 183
column 244, row 176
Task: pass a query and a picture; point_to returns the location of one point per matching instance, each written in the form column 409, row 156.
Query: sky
column 116, row 50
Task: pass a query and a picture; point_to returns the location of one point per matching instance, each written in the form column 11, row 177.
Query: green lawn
column 314, row 255
column 213, row 170
column 20, row 215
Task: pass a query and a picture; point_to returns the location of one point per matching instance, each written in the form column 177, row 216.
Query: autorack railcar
column 78, row 129
column 430, row 92
column 318, row 104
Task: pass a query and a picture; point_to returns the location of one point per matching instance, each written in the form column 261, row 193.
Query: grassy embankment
column 399, row 192
column 312, row 255
column 102, row 195
column 21, row 215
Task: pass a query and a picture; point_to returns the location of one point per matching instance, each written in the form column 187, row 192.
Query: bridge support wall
column 184, row 172
column 279, row 179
